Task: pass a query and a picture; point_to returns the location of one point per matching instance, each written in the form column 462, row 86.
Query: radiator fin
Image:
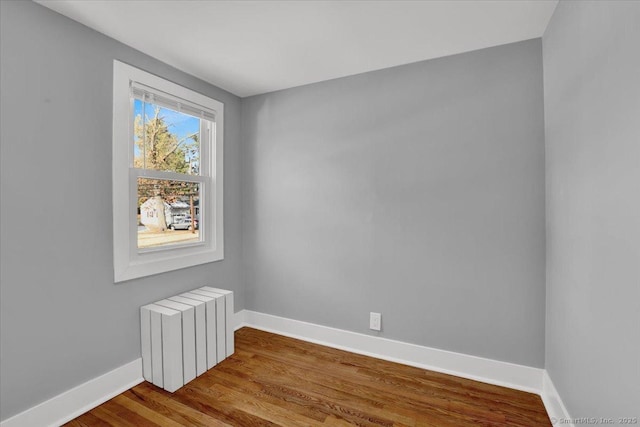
column 185, row 335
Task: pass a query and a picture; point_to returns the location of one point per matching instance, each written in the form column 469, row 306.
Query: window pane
column 168, row 213
column 164, row 139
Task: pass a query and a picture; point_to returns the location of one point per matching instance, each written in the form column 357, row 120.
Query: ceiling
column 253, row 47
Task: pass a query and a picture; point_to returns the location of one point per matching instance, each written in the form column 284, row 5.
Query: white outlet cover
column 375, row 321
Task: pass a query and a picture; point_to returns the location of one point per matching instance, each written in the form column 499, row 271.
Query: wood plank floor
column 275, row 380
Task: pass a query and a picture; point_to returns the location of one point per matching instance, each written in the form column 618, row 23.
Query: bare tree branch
column 178, row 145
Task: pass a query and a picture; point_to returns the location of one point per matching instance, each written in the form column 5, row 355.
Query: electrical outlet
column 375, row 321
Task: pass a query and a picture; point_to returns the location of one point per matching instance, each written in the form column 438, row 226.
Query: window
column 167, row 175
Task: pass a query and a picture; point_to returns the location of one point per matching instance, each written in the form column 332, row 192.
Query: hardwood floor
column 275, row 380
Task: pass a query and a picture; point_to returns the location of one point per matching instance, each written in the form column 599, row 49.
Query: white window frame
column 129, row 261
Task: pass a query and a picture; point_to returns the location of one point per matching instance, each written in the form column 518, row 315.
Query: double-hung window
column 167, row 175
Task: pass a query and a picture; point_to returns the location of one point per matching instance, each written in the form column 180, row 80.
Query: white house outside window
column 167, row 175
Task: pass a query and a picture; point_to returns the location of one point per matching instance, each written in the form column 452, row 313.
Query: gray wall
column 592, row 120
column 63, row 321
column 415, row 191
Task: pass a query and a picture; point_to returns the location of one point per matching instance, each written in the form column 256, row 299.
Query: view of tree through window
column 166, row 140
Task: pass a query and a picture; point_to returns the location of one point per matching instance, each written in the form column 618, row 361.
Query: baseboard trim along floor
column 490, row 371
column 519, row 377
column 80, row 399
column 68, row 405
column 553, row 403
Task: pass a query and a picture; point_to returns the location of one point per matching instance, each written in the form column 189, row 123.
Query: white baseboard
column 490, row 371
column 553, row 403
column 72, row 403
column 239, row 320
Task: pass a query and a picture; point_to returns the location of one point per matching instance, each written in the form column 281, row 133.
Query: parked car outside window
column 183, row 223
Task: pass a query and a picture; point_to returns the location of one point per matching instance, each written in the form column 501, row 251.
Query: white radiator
column 185, row 335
